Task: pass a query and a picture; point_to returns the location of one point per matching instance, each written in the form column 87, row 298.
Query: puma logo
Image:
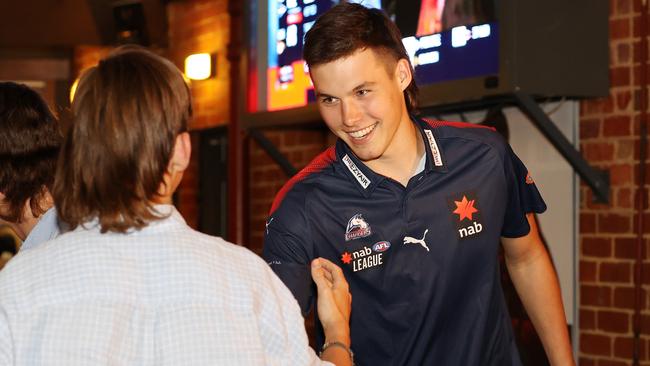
column 410, row 240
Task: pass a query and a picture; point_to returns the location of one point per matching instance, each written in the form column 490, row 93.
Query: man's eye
column 327, row 100
column 363, row 92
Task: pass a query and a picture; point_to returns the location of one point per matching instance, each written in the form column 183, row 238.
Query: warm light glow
column 73, row 89
column 198, row 66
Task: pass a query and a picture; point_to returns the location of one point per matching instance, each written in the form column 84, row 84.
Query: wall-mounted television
column 462, row 50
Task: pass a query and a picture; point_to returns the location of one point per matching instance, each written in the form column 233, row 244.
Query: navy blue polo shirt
column 421, row 260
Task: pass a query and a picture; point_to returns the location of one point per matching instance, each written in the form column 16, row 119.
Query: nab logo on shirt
column 466, row 214
column 365, row 257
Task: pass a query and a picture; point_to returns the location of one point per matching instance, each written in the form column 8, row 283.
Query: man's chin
column 365, row 156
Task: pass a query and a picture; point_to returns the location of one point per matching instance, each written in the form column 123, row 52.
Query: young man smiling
column 413, row 210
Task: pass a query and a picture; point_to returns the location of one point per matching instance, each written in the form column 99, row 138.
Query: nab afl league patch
column 465, row 211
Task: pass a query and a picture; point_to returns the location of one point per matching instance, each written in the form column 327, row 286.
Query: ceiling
column 50, row 24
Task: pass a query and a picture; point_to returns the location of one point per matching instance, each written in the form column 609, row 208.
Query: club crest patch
column 466, row 214
column 357, row 228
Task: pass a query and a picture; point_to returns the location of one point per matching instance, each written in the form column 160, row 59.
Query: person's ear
column 181, row 155
column 403, row 73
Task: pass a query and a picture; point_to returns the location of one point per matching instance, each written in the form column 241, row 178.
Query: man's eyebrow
column 323, row 95
column 364, row 85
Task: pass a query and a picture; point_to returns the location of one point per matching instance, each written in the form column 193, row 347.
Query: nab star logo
column 465, row 209
column 529, row 178
column 346, row 258
column 466, row 213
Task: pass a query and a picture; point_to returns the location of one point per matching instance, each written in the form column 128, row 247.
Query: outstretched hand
column 334, row 299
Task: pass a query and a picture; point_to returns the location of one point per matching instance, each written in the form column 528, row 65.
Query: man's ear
column 181, row 154
column 403, row 73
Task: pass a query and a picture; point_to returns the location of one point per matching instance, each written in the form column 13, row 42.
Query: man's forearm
column 537, row 286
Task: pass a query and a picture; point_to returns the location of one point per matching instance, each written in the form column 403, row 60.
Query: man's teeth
column 362, row 133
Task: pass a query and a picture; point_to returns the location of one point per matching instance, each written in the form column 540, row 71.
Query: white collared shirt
column 163, row 295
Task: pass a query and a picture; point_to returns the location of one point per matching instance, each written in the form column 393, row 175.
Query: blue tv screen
column 446, row 40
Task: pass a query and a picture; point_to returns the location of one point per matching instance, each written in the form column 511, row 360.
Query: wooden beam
column 34, row 69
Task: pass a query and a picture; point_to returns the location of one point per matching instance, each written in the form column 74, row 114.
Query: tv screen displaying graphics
column 445, row 40
column 463, row 51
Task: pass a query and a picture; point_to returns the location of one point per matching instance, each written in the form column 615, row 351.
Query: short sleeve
column 288, row 249
column 523, row 197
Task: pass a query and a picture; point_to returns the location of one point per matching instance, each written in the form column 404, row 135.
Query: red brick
column 624, row 297
column 596, row 247
column 606, row 362
column 623, row 99
column 596, row 344
column 615, row 272
column 608, row 104
column 614, row 223
column 624, row 347
column 647, row 172
column 587, row 223
column 589, row 128
column 619, row 28
column 595, row 295
column 646, row 224
column 617, row 126
column 636, row 24
column 623, row 7
column 645, row 324
column 621, row 174
column 625, row 248
column 587, row 319
column 613, row 321
column 584, row 361
column 624, row 198
column 591, row 106
column 646, row 273
column 625, row 149
column 623, row 56
column 636, row 54
column 598, row 151
column 587, row 271
column 619, row 76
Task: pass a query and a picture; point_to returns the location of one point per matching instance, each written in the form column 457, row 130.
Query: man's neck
column 29, row 221
column 401, row 159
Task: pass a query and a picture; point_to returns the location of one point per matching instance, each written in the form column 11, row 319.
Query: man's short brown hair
column 347, row 28
column 29, row 144
column 127, row 112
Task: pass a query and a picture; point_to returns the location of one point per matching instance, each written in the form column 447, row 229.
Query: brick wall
column 299, row 146
column 609, row 139
column 200, row 26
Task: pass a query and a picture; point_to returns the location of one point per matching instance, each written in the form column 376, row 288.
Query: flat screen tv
column 462, row 51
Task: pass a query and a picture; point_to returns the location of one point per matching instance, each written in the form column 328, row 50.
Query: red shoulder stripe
column 322, row 161
column 436, row 124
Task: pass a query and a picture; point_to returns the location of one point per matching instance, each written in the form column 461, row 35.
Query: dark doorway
column 213, row 192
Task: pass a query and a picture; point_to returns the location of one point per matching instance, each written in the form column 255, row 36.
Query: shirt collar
column 46, row 228
column 363, row 177
column 367, row 180
column 167, row 213
column 436, row 161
